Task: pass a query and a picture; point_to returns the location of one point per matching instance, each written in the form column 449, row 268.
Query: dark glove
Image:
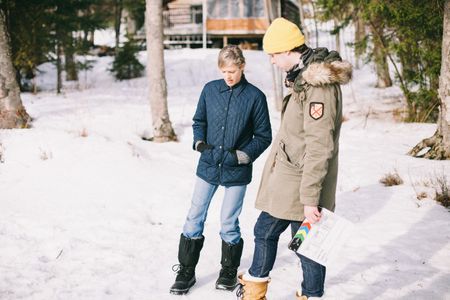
column 202, row 146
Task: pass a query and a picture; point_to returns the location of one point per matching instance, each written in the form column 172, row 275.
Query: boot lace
column 176, row 268
column 182, row 271
column 240, row 291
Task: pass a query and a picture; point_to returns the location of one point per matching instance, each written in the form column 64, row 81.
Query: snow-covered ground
column 88, row 210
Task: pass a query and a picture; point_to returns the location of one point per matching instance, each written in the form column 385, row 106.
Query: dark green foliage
column 41, row 29
column 126, row 65
column 411, row 34
column 414, row 35
column 423, row 106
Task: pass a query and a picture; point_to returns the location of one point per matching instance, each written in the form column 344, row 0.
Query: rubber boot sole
column 223, row 287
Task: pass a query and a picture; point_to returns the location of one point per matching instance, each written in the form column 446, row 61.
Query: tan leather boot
column 252, row 290
column 298, row 297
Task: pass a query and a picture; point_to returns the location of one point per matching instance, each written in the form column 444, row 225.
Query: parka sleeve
column 319, row 122
column 262, row 131
column 200, row 121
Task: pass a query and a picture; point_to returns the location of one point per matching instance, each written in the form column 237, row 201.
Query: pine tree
column 126, row 65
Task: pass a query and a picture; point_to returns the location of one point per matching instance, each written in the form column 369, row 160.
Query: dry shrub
column 83, row 132
column 421, row 195
column 2, row 154
column 45, row 155
column 391, row 179
column 441, row 187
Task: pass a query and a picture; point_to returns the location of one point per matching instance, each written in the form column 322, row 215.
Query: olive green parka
column 302, row 166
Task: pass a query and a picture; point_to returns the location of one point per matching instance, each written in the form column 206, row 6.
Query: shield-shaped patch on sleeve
column 316, row 110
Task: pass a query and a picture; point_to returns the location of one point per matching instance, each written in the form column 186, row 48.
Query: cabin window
column 197, row 14
column 235, row 11
column 254, row 8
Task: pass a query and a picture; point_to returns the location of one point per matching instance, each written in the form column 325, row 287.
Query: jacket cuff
column 196, row 144
column 242, row 157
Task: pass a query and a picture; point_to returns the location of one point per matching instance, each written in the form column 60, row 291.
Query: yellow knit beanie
column 282, row 35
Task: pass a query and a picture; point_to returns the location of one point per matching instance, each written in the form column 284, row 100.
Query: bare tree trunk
column 12, row 111
column 301, row 11
column 130, row 23
column 162, row 127
column 360, row 33
column 117, row 23
column 315, row 22
column 277, row 78
column 444, row 82
column 338, row 36
column 70, row 64
column 381, row 64
column 58, row 66
column 439, row 143
column 276, row 73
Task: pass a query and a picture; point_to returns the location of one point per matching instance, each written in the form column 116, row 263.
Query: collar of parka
column 324, row 68
column 328, row 73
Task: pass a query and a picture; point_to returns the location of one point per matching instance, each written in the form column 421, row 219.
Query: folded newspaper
column 322, row 241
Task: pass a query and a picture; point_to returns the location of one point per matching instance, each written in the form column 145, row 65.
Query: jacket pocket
column 283, row 158
column 284, row 185
column 207, row 156
column 230, row 159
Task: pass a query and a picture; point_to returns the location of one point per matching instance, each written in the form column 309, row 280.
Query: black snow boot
column 231, row 259
column 188, row 255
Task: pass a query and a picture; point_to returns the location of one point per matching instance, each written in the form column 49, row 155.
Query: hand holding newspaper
column 321, row 241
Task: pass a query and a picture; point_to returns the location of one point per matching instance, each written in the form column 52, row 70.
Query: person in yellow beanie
column 301, row 170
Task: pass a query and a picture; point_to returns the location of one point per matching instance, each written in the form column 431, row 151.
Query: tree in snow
column 439, row 143
column 12, row 112
column 162, row 127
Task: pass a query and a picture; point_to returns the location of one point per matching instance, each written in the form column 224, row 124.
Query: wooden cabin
column 227, row 21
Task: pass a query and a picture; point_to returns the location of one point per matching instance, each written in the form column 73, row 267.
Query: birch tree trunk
column 162, row 127
column 12, row 112
column 439, row 143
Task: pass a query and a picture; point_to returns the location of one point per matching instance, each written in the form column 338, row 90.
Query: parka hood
column 320, row 73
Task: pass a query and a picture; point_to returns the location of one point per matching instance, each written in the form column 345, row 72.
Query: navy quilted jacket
column 228, row 119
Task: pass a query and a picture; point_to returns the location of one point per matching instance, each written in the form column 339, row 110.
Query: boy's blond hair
column 231, row 54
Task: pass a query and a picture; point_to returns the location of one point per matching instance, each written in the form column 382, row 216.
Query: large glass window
column 253, row 8
column 224, row 12
column 235, row 11
column 248, row 8
column 259, row 9
column 232, row 9
column 213, row 8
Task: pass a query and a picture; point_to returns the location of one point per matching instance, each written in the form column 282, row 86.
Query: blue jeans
column 267, row 232
column 231, row 209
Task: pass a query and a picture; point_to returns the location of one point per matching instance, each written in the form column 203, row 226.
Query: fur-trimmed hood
column 328, row 73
